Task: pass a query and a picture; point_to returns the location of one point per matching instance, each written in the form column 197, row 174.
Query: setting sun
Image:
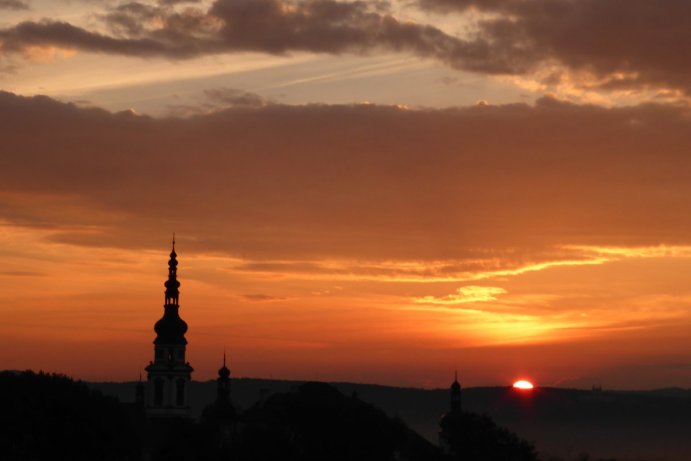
column 523, row 385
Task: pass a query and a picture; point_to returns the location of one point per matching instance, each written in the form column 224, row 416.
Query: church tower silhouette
column 169, row 375
column 451, row 424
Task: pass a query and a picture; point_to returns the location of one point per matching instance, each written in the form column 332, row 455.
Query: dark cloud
column 131, row 18
column 624, row 43
column 233, row 97
column 219, row 99
column 62, row 34
column 618, row 44
column 463, row 5
column 177, row 2
column 272, row 26
column 370, row 183
column 13, row 5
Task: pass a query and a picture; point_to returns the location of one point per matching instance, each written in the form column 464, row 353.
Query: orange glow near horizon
column 277, row 325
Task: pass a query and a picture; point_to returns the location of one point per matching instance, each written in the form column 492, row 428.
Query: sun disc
column 523, row 384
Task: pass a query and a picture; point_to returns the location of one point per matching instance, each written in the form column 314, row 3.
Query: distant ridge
column 646, row 424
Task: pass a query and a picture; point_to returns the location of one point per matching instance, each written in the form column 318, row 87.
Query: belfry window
column 158, row 391
column 180, row 394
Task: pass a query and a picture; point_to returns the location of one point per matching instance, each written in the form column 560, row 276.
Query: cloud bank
column 604, row 45
column 619, row 44
column 476, row 185
column 13, row 5
column 271, row 26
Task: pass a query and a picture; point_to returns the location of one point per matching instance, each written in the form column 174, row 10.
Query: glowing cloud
column 469, row 294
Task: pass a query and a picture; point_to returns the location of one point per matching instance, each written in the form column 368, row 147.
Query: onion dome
column 224, row 372
column 170, row 329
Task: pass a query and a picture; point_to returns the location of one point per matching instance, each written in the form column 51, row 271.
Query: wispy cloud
column 259, row 297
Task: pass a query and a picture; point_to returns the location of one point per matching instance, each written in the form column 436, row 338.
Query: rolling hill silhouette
column 564, row 423
column 52, row 417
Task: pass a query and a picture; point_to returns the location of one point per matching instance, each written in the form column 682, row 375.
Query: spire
column 455, row 393
column 171, row 329
column 455, row 386
column 223, row 386
column 172, row 284
column 224, row 372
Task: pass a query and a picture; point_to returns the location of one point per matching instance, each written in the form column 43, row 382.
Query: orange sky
column 372, row 193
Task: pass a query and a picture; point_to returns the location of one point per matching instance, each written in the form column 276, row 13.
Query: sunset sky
column 367, row 191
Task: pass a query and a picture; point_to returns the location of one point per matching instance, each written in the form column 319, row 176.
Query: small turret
column 452, row 422
column 455, row 393
column 220, row 415
column 223, row 382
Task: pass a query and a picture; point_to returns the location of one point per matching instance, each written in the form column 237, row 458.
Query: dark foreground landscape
column 54, row 417
column 564, row 424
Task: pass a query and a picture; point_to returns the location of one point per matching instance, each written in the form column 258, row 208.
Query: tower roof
column 171, row 329
column 172, row 284
column 224, row 372
column 455, row 386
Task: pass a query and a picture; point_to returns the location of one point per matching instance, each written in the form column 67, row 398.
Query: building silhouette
column 313, row 421
column 169, row 375
column 451, row 423
column 220, row 415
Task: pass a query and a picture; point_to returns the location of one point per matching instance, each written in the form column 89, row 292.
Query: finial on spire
column 455, row 375
column 173, row 240
column 224, row 355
